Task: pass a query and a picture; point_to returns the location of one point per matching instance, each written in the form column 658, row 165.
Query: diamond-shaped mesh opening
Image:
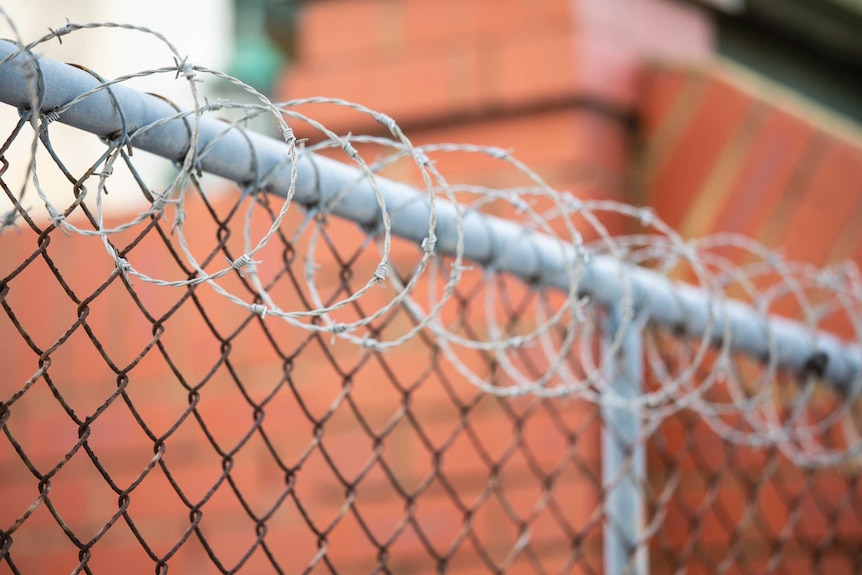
column 37, row 287
column 39, row 430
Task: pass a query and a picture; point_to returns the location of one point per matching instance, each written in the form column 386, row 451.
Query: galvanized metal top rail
column 239, row 155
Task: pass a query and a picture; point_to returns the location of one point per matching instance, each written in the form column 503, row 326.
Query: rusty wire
column 307, row 406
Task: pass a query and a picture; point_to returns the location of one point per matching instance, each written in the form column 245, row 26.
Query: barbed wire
column 760, row 405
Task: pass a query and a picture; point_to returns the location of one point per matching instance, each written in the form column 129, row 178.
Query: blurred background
column 721, row 115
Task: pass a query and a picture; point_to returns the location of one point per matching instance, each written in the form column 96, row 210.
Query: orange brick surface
column 721, row 156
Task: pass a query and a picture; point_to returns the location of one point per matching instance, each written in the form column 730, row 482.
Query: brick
column 760, row 561
column 18, row 496
column 17, row 247
column 548, row 444
column 372, row 29
column 608, row 72
column 374, row 393
column 287, row 427
column 83, row 263
column 19, row 361
column 493, row 19
column 836, row 563
column 683, row 172
column 195, row 469
column 842, row 164
column 763, row 178
column 36, row 287
column 383, row 511
column 717, row 185
column 448, row 81
column 45, row 561
column 113, row 302
column 155, row 500
column 350, row 451
column 349, row 547
column 576, row 501
column 292, row 543
column 319, row 491
column 438, row 518
column 826, row 207
column 224, row 411
column 231, row 541
column 115, row 435
column 849, row 524
column 546, row 138
column 82, row 498
column 319, row 387
column 675, row 528
column 846, row 245
column 536, row 66
column 773, row 510
column 328, row 30
column 119, row 552
column 662, row 89
column 814, row 519
column 39, row 534
column 437, row 26
column 77, row 362
column 436, row 414
column 811, row 247
column 40, row 426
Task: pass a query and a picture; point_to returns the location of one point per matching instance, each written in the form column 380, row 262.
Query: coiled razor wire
column 698, row 372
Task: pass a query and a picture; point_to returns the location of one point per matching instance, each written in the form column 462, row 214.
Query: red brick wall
column 722, row 151
column 726, row 152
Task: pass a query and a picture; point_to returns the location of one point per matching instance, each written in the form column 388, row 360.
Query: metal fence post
column 623, row 457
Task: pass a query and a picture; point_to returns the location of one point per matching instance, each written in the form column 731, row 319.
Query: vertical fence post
column 623, row 457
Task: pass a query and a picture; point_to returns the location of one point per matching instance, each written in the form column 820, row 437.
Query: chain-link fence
column 237, row 379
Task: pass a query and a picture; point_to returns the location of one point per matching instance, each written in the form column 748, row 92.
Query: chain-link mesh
column 232, row 381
